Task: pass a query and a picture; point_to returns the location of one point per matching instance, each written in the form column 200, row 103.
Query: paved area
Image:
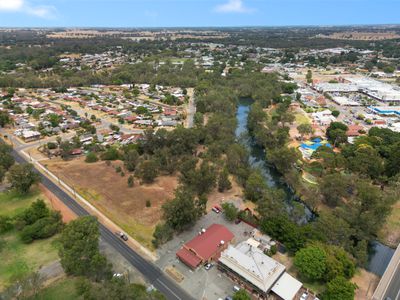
column 202, row 284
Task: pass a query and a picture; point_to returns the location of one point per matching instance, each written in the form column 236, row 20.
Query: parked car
column 304, row 296
column 122, row 235
column 208, row 266
column 215, row 209
column 237, row 221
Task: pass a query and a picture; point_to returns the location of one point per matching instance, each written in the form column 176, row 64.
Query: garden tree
column 305, row 129
column 162, row 234
column 223, row 181
column 6, row 159
column 66, row 149
column 230, row 211
column 54, row 119
column 311, row 262
column 79, row 250
column 336, row 133
column 241, row 295
column 22, row 177
column 131, row 159
column 309, row 76
column 334, row 187
column 335, row 113
column 91, row 157
column 114, row 127
column 147, row 171
column 338, row 263
column 255, row 186
column 339, row 289
column 4, row 119
column 283, row 159
column 183, row 211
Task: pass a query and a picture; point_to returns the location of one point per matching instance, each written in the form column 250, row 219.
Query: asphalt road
column 152, row 273
column 393, row 290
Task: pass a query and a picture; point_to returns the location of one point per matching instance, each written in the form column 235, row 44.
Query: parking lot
column 202, row 283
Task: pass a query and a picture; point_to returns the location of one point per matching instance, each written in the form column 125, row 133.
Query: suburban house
column 206, row 246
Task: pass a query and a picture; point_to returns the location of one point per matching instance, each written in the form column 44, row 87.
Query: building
column 260, row 274
column 206, row 246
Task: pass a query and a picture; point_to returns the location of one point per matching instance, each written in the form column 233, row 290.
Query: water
column 257, row 159
column 380, row 254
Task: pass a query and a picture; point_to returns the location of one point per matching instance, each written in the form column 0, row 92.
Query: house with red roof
column 206, row 246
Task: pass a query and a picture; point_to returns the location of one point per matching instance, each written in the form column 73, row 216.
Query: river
column 380, row 254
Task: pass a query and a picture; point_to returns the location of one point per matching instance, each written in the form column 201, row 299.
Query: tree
column 309, row 77
column 311, row 262
column 4, row 118
column 162, row 234
column 79, row 250
column 241, row 295
column 335, row 113
column 339, row 289
column 131, row 159
column 181, row 212
column 2, row 173
column 91, row 157
column 66, row 149
column 283, row 158
column 147, row 171
column 131, row 181
column 230, row 211
column 6, row 159
column 305, row 129
column 334, row 187
column 22, row 177
column 223, row 181
column 255, row 186
column 336, row 133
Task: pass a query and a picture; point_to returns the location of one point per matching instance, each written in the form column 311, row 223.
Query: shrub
column 91, row 157
column 131, row 181
column 42, row 228
column 148, row 203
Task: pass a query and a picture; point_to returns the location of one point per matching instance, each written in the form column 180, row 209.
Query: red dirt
column 102, row 186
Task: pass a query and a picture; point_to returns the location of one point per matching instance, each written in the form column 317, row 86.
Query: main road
column 151, row 272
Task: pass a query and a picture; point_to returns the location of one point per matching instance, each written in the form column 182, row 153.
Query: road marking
column 163, row 284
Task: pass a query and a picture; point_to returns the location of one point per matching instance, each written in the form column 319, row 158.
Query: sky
column 195, row 13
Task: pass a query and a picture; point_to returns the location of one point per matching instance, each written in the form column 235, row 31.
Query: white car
column 304, row 296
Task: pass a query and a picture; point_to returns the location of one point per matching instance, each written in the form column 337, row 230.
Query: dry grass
column 390, row 233
column 109, row 192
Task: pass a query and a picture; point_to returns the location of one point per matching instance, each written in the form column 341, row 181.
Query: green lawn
column 16, row 258
column 11, row 203
column 19, row 259
column 63, row 289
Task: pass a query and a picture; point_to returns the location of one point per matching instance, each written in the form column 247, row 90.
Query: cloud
column 233, row 6
column 23, row 6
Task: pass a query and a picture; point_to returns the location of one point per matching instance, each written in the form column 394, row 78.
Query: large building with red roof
column 206, row 246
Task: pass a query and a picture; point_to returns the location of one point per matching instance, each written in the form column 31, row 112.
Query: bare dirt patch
column 106, row 189
column 366, row 283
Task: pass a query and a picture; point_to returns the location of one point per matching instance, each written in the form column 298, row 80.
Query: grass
column 390, row 232
column 12, row 203
column 302, row 119
column 16, row 258
column 64, row 289
column 19, row 259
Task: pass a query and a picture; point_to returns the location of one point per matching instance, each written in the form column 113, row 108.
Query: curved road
column 151, row 272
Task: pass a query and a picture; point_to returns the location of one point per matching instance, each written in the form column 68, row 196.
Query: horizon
column 196, row 13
